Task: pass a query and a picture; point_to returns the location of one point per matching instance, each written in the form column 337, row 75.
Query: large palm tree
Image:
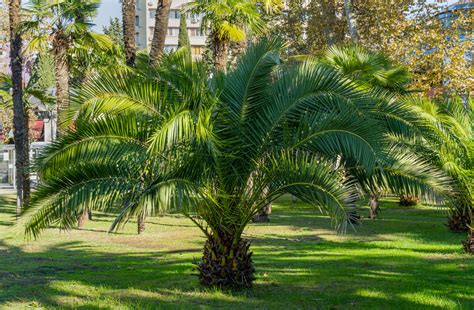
column 20, row 119
column 220, row 150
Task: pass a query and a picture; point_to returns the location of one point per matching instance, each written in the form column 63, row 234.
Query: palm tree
column 128, row 23
column 160, row 30
column 20, row 119
column 448, row 145
column 368, row 69
column 219, row 150
column 229, row 21
column 63, row 24
column 374, row 72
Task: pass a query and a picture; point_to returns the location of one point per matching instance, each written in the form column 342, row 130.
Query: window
column 194, row 32
column 197, row 50
column 136, row 37
column 174, row 14
column 137, row 20
column 173, row 31
column 152, row 13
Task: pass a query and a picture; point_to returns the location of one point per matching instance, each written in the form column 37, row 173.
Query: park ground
column 406, row 259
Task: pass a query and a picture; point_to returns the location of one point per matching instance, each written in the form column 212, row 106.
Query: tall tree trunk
column 61, row 70
column 128, row 22
column 374, row 206
column 220, row 51
column 330, row 29
column 161, row 28
column 20, row 120
column 226, row 262
column 351, row 22
column 141, row 223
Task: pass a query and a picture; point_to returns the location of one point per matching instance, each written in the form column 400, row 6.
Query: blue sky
column 108, row 9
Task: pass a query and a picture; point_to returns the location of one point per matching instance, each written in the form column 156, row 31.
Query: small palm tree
column 219, row 150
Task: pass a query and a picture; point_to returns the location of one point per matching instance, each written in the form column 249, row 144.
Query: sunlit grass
column 405, row 260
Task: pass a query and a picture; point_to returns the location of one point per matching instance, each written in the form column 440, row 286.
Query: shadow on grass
column 293, row 271
column 306, row 275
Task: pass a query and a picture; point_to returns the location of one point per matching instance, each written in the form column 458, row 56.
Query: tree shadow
column 301, row 270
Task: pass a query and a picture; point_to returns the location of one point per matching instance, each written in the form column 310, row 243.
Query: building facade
column 145, row 25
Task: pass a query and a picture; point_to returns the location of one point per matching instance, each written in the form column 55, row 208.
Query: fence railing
column 7, row 163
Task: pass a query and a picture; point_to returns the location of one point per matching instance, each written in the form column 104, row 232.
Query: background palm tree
column 229, row 21
column 161, row 29
column 448, row 144
column 367, row 68
column 220, row 150
column 65, row 25
column 128, row 23
column 20, row 119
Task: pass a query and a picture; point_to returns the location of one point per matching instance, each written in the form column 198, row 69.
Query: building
column 145, row 25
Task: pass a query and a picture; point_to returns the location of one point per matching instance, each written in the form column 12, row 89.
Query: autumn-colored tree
column 435, row 51
column 413, row 33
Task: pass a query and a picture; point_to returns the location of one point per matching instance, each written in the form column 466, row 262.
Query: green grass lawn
column 405, row 260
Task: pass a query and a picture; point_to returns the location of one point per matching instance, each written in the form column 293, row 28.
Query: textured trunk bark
column 459, row 216
column 374, row 206
column 351, row 22
column 220, row 52
column 128, row 24
column 469, row 243
column 61, row 69
column 141, row 223
column 226, row 263
column 82, row 218
column 330, row 28
column 264, row 214
column 161, row 28
column 20, row 118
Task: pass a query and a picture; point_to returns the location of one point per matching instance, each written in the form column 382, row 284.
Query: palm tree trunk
column 61, row 69
column 83, row 217
column 264, row 214
column 374, row 206
column 20, row 120
column 141, row 223
column 351, row 22
column 128, row 22
column 469, row 243
column 220, row 52
column 226, row 262
column 161, row 28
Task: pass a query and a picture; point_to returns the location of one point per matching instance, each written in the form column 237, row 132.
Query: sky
column 108, row 9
